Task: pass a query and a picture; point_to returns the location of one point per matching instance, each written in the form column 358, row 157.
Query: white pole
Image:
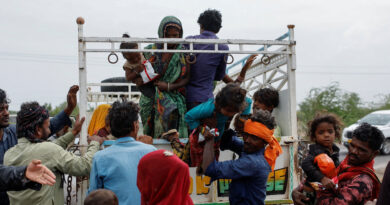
column 291, row 67
column 81, row 194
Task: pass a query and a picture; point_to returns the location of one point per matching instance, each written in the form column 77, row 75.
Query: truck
column 276, row 69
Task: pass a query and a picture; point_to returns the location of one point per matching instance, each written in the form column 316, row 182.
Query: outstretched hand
column 78, row 125
column 251, row 58
column 96, row 138
column 71, row 99
column 40, row 173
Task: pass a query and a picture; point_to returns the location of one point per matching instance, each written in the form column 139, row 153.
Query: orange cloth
column 98, row 119
column 273, row 150
column 326, row 165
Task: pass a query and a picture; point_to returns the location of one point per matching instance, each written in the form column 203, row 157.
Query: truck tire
column 117, row 88
column 386, row 147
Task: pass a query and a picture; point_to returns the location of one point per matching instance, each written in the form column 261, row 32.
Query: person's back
column 120, row 163
column 115, row 168
column 208, row 67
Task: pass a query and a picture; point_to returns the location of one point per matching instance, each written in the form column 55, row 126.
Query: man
column 250, row 172
column 8, row 137
column 33, row 130
column 115, row 168
column 208, row 67
column 25, row 177
column 356, row 179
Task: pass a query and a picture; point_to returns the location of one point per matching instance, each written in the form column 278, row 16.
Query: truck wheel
column 386, row 147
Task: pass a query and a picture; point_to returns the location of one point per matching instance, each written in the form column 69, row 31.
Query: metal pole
column 291, row 67
column 81, row 194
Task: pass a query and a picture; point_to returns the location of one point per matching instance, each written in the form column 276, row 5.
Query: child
column 264, row 99
column 323, row 158
column 101, row 197
column 138, row 69
column 211, row 117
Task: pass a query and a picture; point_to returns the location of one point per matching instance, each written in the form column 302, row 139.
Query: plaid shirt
column 357, row 190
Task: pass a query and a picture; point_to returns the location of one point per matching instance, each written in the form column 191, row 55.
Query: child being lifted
column 211, row 117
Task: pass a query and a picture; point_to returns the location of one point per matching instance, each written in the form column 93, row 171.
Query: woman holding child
column 165, row 108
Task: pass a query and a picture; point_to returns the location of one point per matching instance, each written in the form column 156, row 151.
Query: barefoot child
column 323, row 158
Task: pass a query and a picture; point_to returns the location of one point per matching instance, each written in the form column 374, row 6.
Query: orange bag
column 326, row 165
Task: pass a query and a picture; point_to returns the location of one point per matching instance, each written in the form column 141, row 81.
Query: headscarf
column 163, row 179
column 98, row 120
column 169, row 21
column 346, row 172
column 273, row 150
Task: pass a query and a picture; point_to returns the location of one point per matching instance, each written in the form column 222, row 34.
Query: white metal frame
column 284, row 55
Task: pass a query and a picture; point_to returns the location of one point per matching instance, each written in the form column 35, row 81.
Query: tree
column 60, row 108
column 347, row 105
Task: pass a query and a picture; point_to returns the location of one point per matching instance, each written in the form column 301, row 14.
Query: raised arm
column 64, row 140
column 62, row 118
column 72, row 164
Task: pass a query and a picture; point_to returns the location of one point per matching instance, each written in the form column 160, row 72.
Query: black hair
column 210, row 20
column 368, row 133
column 232, row 96
column 122, row 116
column 267, row 96
column 101, row 197
column 265, row 118
column 328, row 118
column 127, row 45
column 30, row 117
column 3, row 97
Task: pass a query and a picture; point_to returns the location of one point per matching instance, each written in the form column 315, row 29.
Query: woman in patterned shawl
column 166, row 109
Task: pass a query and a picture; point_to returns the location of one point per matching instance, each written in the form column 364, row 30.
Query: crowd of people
column 177, row 102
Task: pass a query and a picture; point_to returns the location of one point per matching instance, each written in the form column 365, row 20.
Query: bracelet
column 168, row 87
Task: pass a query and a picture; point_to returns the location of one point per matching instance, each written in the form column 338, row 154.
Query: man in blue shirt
column 208, row 67
column 250, row 172
column 8, row 137
column 115, row 168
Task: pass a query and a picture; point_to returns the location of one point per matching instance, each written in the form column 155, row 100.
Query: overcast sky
column 344, row 41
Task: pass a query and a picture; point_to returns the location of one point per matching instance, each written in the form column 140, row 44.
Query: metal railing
column 268, row 70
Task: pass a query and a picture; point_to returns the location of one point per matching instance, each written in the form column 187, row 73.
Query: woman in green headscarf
column 166, row 109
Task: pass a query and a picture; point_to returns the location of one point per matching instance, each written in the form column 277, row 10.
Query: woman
column 98, row 125
column 165, row 110
column 167, row 186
